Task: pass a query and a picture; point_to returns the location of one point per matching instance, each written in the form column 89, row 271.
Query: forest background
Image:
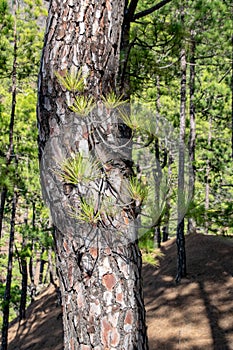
column 195, row 42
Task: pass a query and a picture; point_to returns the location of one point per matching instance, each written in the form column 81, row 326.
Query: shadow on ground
column 194, row 315
column 197, row 314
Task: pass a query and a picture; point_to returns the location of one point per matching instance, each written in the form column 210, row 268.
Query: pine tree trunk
column 2, row 206
column 42, row 265
column 157, row 174
column 7, row 294
column 192, row 134
column 99, row 265
column 165, row 228
column 207, row 181
column 31, row 261
column 24, row 286
column 180, row 238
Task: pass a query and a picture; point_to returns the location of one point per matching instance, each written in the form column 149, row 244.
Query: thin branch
column 129, row 15
column 151, row 10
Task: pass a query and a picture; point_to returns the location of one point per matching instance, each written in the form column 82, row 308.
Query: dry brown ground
column 197, row 314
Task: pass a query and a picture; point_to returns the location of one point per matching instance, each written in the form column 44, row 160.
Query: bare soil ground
column 197, row 314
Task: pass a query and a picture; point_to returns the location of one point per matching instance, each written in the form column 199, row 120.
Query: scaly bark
column 100, row 275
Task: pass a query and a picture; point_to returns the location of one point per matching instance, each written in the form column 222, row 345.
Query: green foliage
column 78, row 169
column 132, row 120
column 87, row 213
column 138, row 190
column 6, row 27
column 82, row 105
column 72, row 81
column 150, row 255
column 112, row 101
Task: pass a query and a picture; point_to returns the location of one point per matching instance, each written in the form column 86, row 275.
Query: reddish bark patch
column 94, row 252
column 105, row 330
column 129, row 317
column 109, row 281
column 115, row 338
column 66, row 247
column 119, row 297
column 108, row 251
column 72, row 344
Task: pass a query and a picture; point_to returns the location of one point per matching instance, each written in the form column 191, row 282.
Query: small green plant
column 138, row 190
column 112, row 101
column 132, row 120
column 87, row 213
column 72, row 81
column 82, row 105
column 78, row 169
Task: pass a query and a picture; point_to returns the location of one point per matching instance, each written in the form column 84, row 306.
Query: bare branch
column 151, row 10
column 131, row 10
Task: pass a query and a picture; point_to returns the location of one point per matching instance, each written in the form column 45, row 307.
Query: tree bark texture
column 99, row 263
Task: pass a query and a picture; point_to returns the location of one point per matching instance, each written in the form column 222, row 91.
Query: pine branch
column 151, row 10
column 129, row 16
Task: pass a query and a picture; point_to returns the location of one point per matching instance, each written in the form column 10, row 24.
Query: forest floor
column 197, row 314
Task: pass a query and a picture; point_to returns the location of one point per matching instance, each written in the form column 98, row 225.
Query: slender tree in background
column 180, row 238
column 192, row 129
column 99, row 265
column 7, row 294
column 208, row 180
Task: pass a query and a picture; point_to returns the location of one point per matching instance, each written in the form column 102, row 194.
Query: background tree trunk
column 207, row 180
column 192, row 133
column 100, row 274
column 7, row 294
column 180, row 239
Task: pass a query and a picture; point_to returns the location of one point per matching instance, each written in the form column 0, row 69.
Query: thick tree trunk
column 99, row 263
